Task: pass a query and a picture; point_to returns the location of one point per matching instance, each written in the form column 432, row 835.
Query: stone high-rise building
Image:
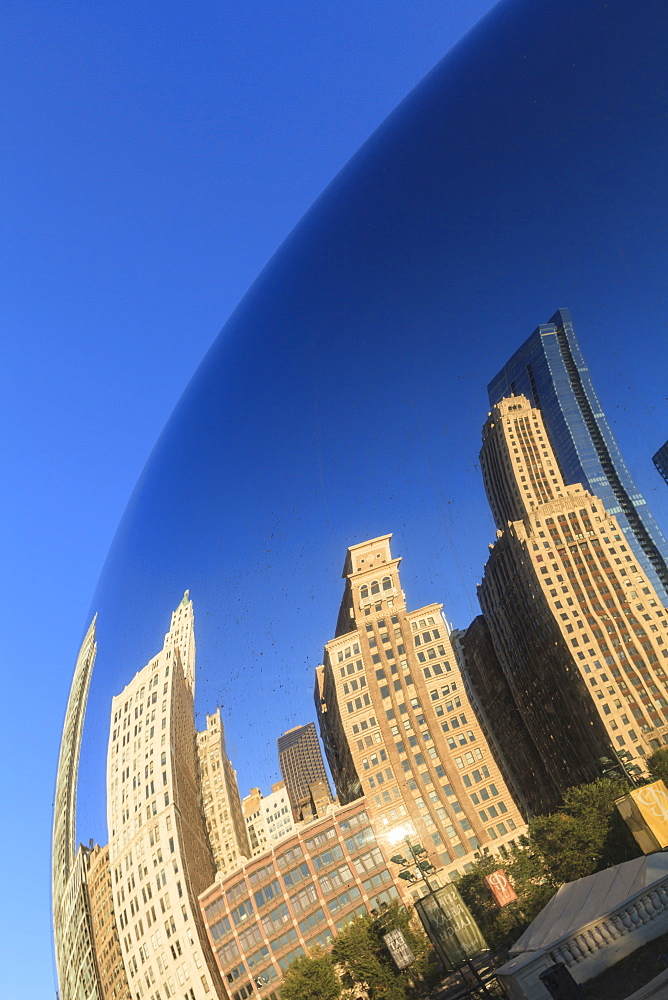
column 158, row 846
column 113, row 978
column 78, row 977
column 550, row 371
column 220, row 797
column 397, row 723
column 302, row 766
column 576, row 625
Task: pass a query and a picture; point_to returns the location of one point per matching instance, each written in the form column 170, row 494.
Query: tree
column 587, row 834
column 312, row 977
column 364, row 961
column 657, row 765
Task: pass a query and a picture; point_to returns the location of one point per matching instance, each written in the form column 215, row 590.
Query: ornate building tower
column 158, row 847
column 397, row 723
column 578, row 629
column 550, row 371
column 220, row 797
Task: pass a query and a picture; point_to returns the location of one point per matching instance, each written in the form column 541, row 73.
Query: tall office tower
column 182, row 634
column 575, row 623
column 503, row 725
column 660, row 460
column 113, row 979
column 301, row 765
column 220, row 797
column 397, row 723
column 75, row 955
column 550, row 371
column 158, row 846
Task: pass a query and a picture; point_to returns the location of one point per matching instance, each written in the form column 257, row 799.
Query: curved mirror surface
column 343, row 402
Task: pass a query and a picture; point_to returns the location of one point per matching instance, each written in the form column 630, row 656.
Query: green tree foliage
column 657, row 765
column 587, row 834
column 584, row 836
column 312, row 977
column 360, row 954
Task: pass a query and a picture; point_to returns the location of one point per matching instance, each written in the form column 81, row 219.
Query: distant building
column 575, row 624
column 302, row 766
column 661, row 461
column 550, row 371
column 158, row 846
column 397, row 723
column 220, row 797
column 295, row 896
column 78, row 977
column 113, row 978
column 268, row 818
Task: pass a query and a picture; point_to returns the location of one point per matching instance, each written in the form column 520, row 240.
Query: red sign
column 500, row 887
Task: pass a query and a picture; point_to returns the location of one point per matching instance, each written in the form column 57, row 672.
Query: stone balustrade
column 594, row 947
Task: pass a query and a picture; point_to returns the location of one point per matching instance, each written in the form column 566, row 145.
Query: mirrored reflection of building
column 220, row 797
column 296, row 896
column 660, row 459
column 113, row 979
column 549, row 370
column 397, row 723
column 158, row 847
column 303, row 770
column 268, row 818
column 75, row 954
column 576, row 625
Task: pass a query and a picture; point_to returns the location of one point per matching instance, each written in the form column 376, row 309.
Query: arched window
column 387, row 583
column 364, row 590
column 375, row 587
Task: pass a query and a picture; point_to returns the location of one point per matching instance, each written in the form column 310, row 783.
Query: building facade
column 113, row 979
column 578, row 629
column 550, row 371
column 660, row 460
column 75, row 953
column 220, row 797
column 159, row 852
column 296, row 896
column 398, row 726
column 268, row 818
column 302, row 766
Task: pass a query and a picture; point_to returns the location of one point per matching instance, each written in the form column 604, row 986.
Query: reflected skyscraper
column 575, row 624
column 303, row 768
column 549, row 369
column 75, row 953
column 397, row 723
column 220, row 797
column 159, row 851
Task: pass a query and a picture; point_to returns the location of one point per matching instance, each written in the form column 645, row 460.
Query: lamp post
column 630, row 771
column 422, row 866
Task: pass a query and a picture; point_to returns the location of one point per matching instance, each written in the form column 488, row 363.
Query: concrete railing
column 594, row 947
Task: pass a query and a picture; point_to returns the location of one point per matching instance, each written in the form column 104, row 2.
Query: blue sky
column 154, row 157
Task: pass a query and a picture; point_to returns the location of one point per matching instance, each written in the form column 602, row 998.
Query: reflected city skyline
column 340, row 407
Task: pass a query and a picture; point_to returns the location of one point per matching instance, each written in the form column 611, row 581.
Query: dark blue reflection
column 345, row 396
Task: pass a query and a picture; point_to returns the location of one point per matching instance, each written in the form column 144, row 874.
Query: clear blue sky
column 154, row 157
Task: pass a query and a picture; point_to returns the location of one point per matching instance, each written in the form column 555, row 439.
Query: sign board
column 399, row 949
column 645, row 811
column 450, row 926
column 499, row 885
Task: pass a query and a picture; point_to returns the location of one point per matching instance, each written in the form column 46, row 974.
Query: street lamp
column 415, row 869
column 631, row 772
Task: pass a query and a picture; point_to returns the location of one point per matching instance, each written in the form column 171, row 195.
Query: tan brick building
column 295, row 896
column 113, row 979
column 220, row 797
column 397, row 723
column 577, row 629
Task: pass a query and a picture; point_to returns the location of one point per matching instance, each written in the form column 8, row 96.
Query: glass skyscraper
column 661, row 460
column 550, row 371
